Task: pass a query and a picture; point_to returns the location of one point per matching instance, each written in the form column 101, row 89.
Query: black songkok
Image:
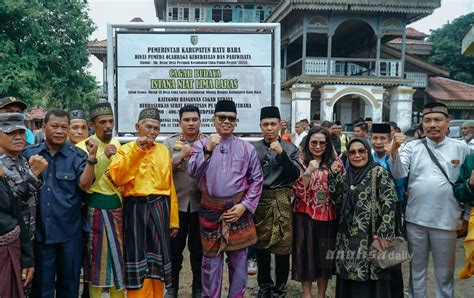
column 77, row 114
column 269, row 112
column 225, row 106
column 149, row 113
column 99, row 109
column 435, row 107
column 381, row 128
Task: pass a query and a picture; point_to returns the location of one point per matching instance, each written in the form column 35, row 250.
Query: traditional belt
column 10, row 237
column 142, row 199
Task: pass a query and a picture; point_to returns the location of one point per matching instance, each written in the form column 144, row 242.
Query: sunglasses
column 354, row 152
column 316, row 143
column 222, row 118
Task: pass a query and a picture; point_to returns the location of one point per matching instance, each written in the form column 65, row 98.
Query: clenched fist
column 144, row 142
column 185, row 151
column 214, row 140
column 37, row 164
column 92, row 146
column 313, row 166
column 275, row 146
column 398, row 139
column 110, row 150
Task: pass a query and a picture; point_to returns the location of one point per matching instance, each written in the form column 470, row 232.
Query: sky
column 120, row 11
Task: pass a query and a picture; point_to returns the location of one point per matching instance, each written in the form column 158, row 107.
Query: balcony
column 419, row 79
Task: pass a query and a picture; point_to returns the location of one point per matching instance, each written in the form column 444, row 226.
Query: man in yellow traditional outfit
column 143, row 170
column 103, row 266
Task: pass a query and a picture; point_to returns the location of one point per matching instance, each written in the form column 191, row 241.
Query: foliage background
column 447, row 49
column 43, row 53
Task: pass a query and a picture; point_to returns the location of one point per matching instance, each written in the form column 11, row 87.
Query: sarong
column 10, row 274
column 104, row 259
column 273, row 221
column 147, row 240
column 217, row 235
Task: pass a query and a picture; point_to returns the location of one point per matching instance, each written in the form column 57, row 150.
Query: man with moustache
column 103, row 266
column 58, row 234
column 143, row 170
column 230, row 177
column 78, row 130
column 189, row 197
column 273, row 216
column 23, row 178
column 432, row 213
column 11, row 104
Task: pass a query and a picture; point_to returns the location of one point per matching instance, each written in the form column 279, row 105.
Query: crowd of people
column 319, row 201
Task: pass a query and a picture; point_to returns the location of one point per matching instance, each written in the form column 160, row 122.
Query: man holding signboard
column 230, row 177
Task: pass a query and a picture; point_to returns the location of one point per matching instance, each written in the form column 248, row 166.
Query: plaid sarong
column 217, row 235
column 273, row 221
column 147, row 240
column 104, row 259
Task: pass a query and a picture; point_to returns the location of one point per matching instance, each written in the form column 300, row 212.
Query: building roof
column 414, row 9
column 444, row 89
column 411, row 42
column 415, row 34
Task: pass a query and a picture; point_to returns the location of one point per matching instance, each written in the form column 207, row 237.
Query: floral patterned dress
column 354, row 239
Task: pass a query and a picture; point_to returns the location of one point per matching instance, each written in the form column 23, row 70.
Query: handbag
column 396, row 253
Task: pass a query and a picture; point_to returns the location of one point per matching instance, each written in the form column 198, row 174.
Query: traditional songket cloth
column 150, row 211
column 231, row 175
column 104, row 266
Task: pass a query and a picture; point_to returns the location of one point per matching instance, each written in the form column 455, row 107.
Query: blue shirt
column 30, row 138
column 386, row 162
column 59, row 200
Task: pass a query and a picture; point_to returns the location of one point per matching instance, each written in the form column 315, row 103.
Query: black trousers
column 188, row 229
column 282, row 270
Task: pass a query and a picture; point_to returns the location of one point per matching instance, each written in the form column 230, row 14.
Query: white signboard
column 170, row 70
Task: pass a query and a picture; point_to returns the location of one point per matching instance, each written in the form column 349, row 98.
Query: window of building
column 227, row 14
column 216, row 14
column 175, row 13
column 186, row 14
column 260, row 14
column 197, row 14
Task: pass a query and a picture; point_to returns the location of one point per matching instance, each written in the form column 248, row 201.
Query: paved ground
column 463, row 288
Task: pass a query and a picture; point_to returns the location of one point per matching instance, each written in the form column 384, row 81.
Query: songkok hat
column 10, row 100
column 435, row 107
column 368, row 119
column 225, row 106
column 99, row 109
column 10, row 122
column 381, row 128
column 77, row 114
column 269, row 112
column 149, row 113
column 468, row 123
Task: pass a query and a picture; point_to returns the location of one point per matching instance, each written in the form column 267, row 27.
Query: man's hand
column 313, row 166
column 92, row 146
column 27, row 275
column 214, row 140
column 380, row 244
column 185, row 151
column 173, row 233
column 234, row 213
column 275, row 146
column 37, row 164
column 144, row 142
column 110, row 150
column 398, row 139
column 471, row 180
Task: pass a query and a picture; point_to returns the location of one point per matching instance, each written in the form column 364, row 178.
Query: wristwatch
column 207, row 151
column 92, row 162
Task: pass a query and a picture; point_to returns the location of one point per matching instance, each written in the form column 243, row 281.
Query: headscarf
column 353, row 177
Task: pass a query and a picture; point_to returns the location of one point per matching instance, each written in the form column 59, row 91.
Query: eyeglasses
column 223, row 118
column 354, row 152
column 316, row 143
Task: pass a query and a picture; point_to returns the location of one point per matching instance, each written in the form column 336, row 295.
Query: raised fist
column 214, row 140
column 92, row 146
column 144, row 142
column 37, row 164
column 185, row 151
column 275, row 146
column 110, row 150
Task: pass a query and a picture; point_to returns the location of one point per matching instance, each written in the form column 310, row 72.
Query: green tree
column 447, row 49
column 43, row 52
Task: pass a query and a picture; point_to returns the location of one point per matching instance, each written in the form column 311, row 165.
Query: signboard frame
column 193, row 28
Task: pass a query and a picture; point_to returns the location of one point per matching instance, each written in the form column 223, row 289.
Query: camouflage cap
column 149, row 113
column 10, row 122
column 10, row 100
